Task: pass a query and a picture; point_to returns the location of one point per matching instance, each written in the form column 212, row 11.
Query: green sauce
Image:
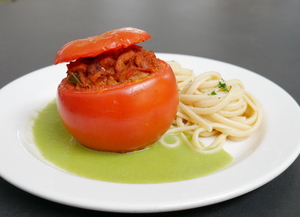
column 155, row 164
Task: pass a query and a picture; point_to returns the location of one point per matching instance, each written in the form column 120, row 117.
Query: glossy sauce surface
column 155, row 164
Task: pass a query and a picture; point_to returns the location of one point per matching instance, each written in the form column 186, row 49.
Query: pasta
column 212, row 107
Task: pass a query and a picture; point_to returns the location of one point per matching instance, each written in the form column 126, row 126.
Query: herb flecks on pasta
column 210, row 106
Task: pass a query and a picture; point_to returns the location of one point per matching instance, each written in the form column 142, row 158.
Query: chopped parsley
column 222, row 86
column 213, row 93
column 74, row 78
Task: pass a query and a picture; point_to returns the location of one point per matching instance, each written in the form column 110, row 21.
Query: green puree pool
column 156, row 164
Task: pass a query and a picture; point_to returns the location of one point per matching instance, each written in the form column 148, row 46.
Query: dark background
column 262, row 36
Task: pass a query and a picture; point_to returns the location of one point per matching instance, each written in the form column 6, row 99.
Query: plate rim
column 110, row 205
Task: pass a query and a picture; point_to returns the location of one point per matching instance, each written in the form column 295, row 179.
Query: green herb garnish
column 222, row 86
column 74, row 78
column 213, row 93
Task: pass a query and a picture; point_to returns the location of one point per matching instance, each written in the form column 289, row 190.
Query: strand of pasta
column 210, row 106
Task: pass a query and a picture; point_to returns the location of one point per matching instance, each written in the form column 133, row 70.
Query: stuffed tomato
column 117, row 96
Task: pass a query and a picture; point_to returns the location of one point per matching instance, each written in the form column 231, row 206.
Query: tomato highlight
column 95, row 45
column 113, row 108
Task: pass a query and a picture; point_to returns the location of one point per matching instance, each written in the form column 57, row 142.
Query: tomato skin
column 95, row 45
column 124, row 117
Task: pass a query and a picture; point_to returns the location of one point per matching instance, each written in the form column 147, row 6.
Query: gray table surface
column 262, row 36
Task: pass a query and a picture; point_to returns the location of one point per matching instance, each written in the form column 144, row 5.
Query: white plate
column 257, row 160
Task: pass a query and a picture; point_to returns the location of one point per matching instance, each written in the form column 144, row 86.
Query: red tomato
column 95, row 45
column 122, row 118
column 118, row 118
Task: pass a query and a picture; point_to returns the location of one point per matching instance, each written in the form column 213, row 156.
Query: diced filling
column 112, row 68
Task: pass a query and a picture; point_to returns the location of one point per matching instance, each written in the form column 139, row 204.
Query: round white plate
column 258, row 160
